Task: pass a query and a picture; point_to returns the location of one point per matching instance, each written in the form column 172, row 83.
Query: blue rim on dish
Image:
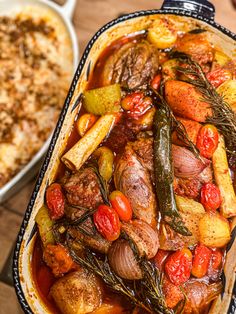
column 201, row 10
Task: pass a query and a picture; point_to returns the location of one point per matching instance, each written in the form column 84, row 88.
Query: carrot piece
column 58, row 259
column 192, row 129
column 186, row 101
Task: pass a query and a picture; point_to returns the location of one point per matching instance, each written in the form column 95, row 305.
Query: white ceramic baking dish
column 63, row 14
column 198, row 14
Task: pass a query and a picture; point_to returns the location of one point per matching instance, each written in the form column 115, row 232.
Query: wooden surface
column 89, row 16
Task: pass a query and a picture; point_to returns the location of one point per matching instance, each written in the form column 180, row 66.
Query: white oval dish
column 62, row 16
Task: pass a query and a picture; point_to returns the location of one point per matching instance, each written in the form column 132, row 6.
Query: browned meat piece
column 94, row 241
column 92, row 237
column 133, row 65
column 197, row 46
column 172, row 293
column 199, row 295
column 82, row 189
column 133, row 179
column 144, row 150
column 191, row 187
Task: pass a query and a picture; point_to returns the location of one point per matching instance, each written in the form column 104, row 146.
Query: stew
column 138, row 217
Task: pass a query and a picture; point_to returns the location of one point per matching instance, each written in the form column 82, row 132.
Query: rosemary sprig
column 223, row 117
column 102, row 183
column 102, row 269
column 177, row 125
column 77, row 223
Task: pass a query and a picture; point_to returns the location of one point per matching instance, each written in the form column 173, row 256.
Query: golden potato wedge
column 162, row 33
column 77, row 293
column 228, row 91
column 214, row 230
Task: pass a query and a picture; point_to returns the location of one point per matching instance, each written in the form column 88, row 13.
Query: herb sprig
column 145, row 293
column 223, row 117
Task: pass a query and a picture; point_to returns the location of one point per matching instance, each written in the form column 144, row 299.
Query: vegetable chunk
column 214, row 230
column 45, row 225
column 223, row 180
column 81, row 151
column 186, row 101
column 77, row 293
column 103, row 100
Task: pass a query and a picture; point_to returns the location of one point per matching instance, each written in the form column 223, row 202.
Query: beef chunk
column 133, row 65
column 82, row 189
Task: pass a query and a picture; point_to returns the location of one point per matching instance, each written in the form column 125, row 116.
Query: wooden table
column 89, row 16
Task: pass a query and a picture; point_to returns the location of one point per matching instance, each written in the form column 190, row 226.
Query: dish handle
column 202, row 8
column 68, row 8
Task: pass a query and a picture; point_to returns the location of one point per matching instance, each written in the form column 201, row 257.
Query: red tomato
column 218, row 77
column 121, row 205
column 210, row 196
column 160, row 258
column 207, row 140
column 156, row 81
column 201, row 261
column 55, row 201
column 178, row 266
column 216, row 259
column 136, row 104
column 107, row 222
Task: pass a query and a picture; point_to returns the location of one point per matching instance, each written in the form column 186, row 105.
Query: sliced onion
column 186, row 165
column 145, row 237
column 122, row 260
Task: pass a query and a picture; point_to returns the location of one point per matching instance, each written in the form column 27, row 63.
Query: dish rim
column 179, row 12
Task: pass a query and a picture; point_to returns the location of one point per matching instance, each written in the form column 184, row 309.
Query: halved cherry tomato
column 121, row 205
column 156, row 81
column 207, row 140
column 210, row 196
column 107, row 222
column 178, row 266
column 136, row 104
column 201, row 261
column 55, row 201
column 216, row 259
column 160, row 257
column 218, row 77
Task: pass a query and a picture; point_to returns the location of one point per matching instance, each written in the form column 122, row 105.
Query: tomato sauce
column 43, row 277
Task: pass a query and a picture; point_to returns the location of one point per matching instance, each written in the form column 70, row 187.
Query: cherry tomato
column 218, row 77
column 136, row 104
column 121, row 205
column 210, row 196
column 55, row 201
column 107, row 222
column 201, row 261
column 178, row 266
column 160, row 257
column 156, row 81
column 207, row 140
column 216, row 259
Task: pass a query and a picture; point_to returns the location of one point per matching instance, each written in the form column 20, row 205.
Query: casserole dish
column 61, row 17
column 201, row 14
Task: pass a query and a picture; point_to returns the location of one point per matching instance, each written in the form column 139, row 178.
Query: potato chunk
column 77, row 293
column 214, row 230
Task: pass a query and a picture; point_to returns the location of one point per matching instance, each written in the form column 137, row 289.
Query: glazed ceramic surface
column 186, row 15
